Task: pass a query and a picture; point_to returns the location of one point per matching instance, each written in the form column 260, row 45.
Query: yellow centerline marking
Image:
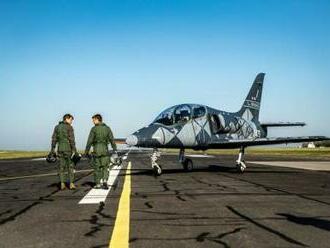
column 120, row 233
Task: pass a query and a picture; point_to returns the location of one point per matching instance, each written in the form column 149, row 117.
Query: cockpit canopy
column 180, row 114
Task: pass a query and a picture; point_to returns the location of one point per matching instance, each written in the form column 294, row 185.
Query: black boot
column 105, row 186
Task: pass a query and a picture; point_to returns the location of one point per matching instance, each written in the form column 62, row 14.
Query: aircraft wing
column 265, row 141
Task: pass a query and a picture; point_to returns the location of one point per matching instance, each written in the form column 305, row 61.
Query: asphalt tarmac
column 213, row 206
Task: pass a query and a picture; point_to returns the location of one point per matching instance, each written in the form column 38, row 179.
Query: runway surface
column 213, row 206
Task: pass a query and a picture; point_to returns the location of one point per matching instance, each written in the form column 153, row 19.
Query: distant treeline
column 319, row 144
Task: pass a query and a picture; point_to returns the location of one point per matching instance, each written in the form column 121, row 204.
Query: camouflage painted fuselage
column 200, row 132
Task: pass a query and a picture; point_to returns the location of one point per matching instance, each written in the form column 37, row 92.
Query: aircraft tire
column 157, row 170
column 188, row 165
column 241, row 167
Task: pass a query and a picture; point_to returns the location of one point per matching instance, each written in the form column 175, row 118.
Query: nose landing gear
column 157, row 169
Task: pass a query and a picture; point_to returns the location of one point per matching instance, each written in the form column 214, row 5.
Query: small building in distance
column 308, row 145
column 311, row 145
column 317, row 144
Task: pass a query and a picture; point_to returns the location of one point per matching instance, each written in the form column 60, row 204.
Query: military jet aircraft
column 200, row 127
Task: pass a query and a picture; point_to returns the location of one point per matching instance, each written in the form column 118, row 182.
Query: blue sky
column 129, row 60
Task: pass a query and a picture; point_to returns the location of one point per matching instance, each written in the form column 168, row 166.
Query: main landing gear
column 157, row 169
column 187, row 163
column 240, row 163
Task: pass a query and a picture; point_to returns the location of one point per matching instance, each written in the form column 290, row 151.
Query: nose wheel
column 157, row 170
column 240, row 163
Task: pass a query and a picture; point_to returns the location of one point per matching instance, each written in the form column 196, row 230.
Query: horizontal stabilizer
column 283, row 124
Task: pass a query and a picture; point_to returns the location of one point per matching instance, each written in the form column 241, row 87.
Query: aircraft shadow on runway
column 307, row 221
column 214, row 168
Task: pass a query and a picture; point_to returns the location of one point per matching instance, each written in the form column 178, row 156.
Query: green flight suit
column 100, row 137
column 63, row 136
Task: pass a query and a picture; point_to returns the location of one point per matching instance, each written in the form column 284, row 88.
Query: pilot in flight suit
column 99, row 137
column 63, row 136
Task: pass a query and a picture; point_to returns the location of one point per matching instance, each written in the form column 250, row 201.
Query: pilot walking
column 63, row 137
column 100, row 137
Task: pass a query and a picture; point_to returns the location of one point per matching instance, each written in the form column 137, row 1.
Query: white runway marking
column 95, row 196
column 38, row 159
column 309, row 165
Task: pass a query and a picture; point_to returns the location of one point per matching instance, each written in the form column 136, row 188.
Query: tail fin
column 251, row 105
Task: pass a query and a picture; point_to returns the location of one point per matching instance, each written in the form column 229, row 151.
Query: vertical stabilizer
column 251, row 105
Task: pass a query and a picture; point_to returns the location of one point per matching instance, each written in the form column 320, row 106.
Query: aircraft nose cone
column 132, row 140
